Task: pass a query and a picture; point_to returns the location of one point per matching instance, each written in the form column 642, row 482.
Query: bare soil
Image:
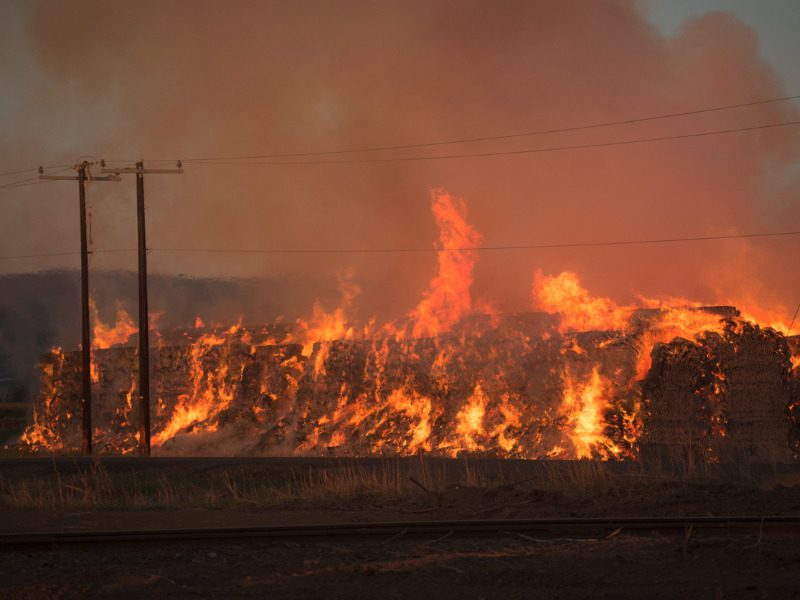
column 83, row 495
column 505, row 568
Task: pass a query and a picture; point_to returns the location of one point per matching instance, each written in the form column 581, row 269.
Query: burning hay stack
column 583, row 377
column 727, row 396
column 511, row 387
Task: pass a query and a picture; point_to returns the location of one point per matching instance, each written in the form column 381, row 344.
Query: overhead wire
column 259, row 159
column 19, row 172
column 32, row 170
column 58, row 254
column 463, row 140
column 507, row 136
column 542, row 150
column 40, row 255
column 19, row 183
column 31, row 180
column 432, row 249
column 558, row 245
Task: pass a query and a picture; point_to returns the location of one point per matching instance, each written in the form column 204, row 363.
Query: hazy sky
column 159, row 80
column 777, row 23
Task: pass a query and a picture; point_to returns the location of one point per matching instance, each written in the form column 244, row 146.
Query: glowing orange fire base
column 512, row 386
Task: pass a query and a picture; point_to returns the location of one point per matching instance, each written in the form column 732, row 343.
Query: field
column 71, row 494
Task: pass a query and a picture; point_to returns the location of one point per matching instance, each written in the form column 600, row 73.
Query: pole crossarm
column 70, row 178
column 134, row 170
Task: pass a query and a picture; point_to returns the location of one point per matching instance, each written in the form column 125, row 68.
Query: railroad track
column 540, row 528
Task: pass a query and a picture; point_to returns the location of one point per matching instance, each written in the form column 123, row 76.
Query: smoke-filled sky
column 172, row 79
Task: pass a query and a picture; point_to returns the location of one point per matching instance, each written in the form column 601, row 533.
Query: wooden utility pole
column 86, row 336
column 144, row 331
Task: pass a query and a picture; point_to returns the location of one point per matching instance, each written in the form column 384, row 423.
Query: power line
column 31, row 180
column 56, row 254
column 699, row 134
column 32, row 170
column 488, row 138
column 210, row 162
column 459, row 140
column 508, row 152
column 19, row 183
column 20, row 172
column 562, row 245
column 42, row 255
column 476, row 248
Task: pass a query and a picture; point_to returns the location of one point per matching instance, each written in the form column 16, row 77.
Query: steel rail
column 545, row 528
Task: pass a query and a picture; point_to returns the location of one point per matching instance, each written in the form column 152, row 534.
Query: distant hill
column 41, row 310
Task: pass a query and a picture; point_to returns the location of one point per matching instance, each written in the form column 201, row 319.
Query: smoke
column 42, row 310
column 165, row 79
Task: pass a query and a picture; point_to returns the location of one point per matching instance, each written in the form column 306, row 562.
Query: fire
column 42, row 433
column 419, row 410
column 569, row 386
column 579, row 311
column 671, row 323
column 584, row 404
column 105, row 336
column 209, row 393
column 469, row 420
column 327, row 326
column 448, row 297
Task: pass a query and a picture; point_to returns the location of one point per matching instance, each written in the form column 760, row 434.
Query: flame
column 210, row 391
column 105, row 336
column 448, row 297
column 671, row 323
column 584, row 404
column 94, row 370
column 419, row 410
column 327, row 326
column 579, row 311
column 425, row 385
column 43, row 433
column 469, row 420
column 511, row 420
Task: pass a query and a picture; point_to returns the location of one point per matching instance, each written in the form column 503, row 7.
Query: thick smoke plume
column 167, row 79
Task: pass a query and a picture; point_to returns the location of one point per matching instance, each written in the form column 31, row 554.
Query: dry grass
column 392, row 482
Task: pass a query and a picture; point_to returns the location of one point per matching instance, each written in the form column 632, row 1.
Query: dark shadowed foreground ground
column 507, row 568
column 72, row 495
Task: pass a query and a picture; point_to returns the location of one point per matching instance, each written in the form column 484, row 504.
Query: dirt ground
column 507, row 568
column 122, row 495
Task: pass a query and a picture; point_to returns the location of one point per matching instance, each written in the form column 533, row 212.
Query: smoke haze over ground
column 163, row 80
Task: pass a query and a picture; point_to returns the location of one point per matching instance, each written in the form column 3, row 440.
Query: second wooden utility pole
column 144, row 319
column 86, row 335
